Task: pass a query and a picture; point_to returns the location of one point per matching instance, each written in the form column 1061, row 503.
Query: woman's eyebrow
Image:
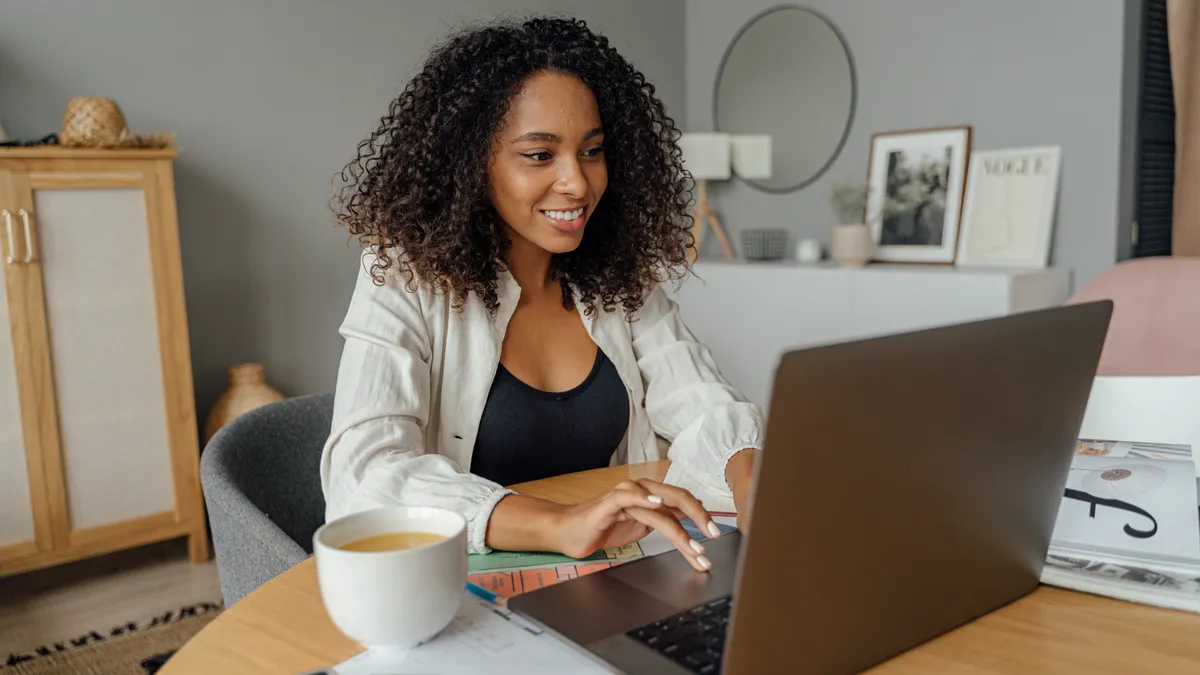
column 547, row 137
column 539, row 136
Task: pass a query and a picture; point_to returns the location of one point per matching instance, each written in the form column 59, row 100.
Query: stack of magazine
column 1128, row 525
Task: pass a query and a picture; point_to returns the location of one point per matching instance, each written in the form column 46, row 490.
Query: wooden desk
column 282, row 626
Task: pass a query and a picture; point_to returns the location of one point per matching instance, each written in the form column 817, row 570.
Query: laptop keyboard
column 694, row 638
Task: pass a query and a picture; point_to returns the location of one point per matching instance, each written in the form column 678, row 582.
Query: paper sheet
column 1167, row 530
column 483, row 638
column 1148, row 409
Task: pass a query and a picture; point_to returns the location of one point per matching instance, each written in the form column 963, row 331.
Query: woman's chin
column 561, row 242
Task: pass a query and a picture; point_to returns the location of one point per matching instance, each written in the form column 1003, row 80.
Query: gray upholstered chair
column 262, row 487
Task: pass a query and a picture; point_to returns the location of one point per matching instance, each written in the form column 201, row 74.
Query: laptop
column 908, row 484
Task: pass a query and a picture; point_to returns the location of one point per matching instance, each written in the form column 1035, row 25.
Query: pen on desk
column 480, row 591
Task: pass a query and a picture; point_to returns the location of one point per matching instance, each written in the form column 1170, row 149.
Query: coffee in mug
column 393, row 541
column 392, row 576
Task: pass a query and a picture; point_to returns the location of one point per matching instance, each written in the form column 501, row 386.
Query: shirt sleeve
column 690, row 403
column 376, row 453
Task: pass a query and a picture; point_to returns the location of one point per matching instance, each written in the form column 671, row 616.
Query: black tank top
column 527, row 434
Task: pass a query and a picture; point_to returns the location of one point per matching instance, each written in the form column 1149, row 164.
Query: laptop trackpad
column 601, row 604
column 591, row 607
column 671, row 578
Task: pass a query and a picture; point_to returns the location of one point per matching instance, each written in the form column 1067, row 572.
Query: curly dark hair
column 418, row 188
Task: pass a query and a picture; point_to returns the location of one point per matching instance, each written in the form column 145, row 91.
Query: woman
column 520, row 204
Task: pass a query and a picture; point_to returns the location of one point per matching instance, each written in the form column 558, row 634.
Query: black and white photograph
column 916, row 181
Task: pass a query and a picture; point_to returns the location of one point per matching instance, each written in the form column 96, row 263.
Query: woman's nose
column 571, row 180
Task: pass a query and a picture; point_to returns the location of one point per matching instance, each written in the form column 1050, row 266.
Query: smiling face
column 547, row 171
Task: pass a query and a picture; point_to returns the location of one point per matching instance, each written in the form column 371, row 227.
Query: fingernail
column 654, row 499
column 713, row 529
column 704, row 562
column 697, row 546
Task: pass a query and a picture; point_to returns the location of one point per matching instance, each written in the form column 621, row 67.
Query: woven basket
column 764, row 244
column 99, row 123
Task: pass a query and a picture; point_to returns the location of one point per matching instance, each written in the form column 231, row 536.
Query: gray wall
column 269, row 99
column 1021, row 72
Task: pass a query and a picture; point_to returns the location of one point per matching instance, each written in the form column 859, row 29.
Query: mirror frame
column 853, row 94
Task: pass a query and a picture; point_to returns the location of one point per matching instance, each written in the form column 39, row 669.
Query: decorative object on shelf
column 788, row 73
column 48, row 139
column 248, row 389
column 915, row 191
column 851, row 243
column 710, row 156
column 808, row 251
column 99, row 123
column 764, row 244
column 1008, row 215
column 4, row 137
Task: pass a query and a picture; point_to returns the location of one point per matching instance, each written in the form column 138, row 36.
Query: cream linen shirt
column 415, row 375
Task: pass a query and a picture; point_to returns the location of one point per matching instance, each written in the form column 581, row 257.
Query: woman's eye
column 594, row 152
column 536, row 156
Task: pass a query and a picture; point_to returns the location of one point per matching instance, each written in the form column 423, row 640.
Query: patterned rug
column 133, row 648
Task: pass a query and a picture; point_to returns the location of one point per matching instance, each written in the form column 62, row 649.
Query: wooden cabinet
column 98, row 442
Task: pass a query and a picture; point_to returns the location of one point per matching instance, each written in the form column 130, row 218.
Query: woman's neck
column 529, row 265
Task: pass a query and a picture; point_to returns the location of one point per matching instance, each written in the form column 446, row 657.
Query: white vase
column 808, row 251
column 851, row 245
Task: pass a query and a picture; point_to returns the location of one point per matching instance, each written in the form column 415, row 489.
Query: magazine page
column 1148, row 409
column 1118, row 503
column 1161, row 414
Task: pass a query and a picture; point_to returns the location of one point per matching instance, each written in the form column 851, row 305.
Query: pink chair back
column 1155, row 327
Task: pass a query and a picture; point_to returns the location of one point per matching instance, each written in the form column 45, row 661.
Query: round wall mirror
column 788, row 74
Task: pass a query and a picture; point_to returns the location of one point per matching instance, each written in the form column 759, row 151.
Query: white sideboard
column 749, row 314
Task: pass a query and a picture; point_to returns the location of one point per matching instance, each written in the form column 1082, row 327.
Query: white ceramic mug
column 397, row 598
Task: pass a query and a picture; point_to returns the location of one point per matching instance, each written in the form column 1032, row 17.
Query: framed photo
column 915, row 189
column 1008, row 218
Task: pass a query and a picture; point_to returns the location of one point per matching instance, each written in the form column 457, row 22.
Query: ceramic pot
column 851, row 245
column 248, row 389
column 808, row 251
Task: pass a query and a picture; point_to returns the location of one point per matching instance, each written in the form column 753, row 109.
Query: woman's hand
column 629, row 512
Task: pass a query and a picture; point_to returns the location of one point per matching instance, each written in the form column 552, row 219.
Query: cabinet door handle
column 11, row 257
column 28, row 235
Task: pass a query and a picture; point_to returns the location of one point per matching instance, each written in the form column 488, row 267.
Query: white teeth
column 564, row 215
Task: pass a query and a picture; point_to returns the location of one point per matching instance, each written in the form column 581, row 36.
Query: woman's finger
column 627, row 485
column 690, row 548
column 617, row 500
column 682, row 500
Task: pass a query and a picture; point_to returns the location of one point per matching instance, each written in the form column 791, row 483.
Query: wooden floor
column 42, row 607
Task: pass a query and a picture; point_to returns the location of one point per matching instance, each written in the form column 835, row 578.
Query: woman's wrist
column 522, row 523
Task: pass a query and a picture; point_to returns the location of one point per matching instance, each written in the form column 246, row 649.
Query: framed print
column 915, row 188
column 1008, row 217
